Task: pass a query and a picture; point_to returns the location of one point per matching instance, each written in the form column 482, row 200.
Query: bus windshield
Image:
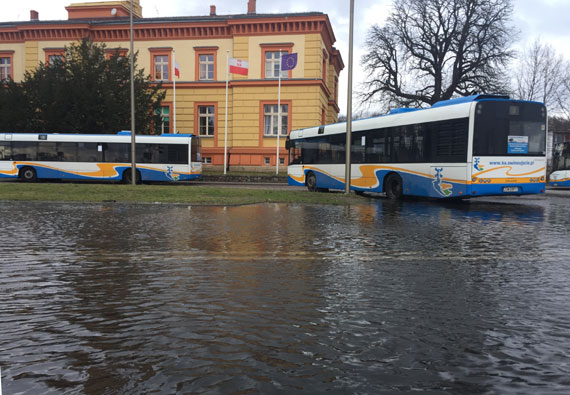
column 506, row 128
column 561, row 157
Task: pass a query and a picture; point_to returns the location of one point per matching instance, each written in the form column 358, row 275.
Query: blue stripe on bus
column 497, row 189
column 424, row 186
column 146, row 174
column 560, row 183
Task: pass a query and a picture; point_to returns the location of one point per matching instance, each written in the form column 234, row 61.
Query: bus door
column 5, row 153
column 195, row 155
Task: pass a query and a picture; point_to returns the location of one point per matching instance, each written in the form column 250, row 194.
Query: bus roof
column 467, row 99
column 446, row 109
column 121, row 137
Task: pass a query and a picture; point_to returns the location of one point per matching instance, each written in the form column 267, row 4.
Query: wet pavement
column 383, row 297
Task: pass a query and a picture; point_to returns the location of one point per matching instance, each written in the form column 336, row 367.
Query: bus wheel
column 28, row 174
column 393, row 186
column 311, row 182
column 127, row 177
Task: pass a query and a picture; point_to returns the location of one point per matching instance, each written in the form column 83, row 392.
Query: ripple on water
column 382, row 297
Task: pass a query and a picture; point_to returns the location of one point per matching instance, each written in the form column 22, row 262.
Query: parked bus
column 166, row 157
column 560, row 176
column 471, row 146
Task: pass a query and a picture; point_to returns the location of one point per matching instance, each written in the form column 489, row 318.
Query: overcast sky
column 548, row 20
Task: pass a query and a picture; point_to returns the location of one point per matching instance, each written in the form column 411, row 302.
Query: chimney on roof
column 34, row 15
column 251, row 7
column 212, row 10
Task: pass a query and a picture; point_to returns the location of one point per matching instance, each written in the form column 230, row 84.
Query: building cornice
column 171, row 28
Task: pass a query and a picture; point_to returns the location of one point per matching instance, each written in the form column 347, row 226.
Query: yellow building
column 201, row 46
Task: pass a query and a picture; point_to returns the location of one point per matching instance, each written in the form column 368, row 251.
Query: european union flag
column 288, row 61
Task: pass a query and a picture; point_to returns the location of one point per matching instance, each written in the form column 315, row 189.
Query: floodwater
column 379, row 298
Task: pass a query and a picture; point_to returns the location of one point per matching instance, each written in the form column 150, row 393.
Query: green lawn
column 181, row 193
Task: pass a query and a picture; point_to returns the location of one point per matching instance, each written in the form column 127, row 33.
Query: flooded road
column 466, row 298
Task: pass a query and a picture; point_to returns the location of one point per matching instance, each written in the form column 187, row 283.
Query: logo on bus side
column 444, row 189
column 476, row 164
column 171, row 175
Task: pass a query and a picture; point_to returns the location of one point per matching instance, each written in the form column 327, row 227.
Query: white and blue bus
column 98, row 157
column 470, row 146
column 560, row 176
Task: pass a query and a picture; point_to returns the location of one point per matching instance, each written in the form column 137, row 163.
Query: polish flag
column 238, row 66
column 176, row 69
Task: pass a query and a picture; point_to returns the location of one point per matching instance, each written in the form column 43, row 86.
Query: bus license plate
column 510, row 189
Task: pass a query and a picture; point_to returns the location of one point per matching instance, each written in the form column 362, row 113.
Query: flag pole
column 278, row 117
column 133, row 136
column 226, row 120
column 174, row 89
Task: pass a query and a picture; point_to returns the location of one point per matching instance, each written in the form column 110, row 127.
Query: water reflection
column 381, row 297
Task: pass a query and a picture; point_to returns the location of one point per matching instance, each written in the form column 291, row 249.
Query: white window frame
column 163, row 122
column 161, row 67
column 210, row 130
column 5, row 68
column 206, row 66
column 271, row 114
column 272, row 65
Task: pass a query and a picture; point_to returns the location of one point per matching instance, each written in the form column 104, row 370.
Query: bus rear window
column 502, row 128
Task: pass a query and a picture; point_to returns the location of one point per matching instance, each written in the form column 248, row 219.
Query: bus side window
column 5, row 151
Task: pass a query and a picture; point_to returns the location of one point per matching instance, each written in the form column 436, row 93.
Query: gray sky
column 548, row 20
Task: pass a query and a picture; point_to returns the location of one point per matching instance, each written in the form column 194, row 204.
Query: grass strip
column 179, row 193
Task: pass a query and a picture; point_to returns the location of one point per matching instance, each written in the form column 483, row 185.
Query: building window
column 324, row 71
column 206, row 67
column 164, row 126
column 55, row 58
column 207, row 160
column 119, row 52
column 54, row 54
column 266, row 160
column 336, row 88
column 281, row 161
column 206, row 120
column 160, row 63
column 272, row 65
column 271, row 117
column 5, row 67
column 270, row 59
column 205, row 117
column 161, row 67
column 206, row 58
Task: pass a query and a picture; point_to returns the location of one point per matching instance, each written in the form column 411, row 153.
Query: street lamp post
column 349, row 104
column 133, row 140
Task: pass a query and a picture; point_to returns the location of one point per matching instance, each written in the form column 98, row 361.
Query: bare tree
column 432, row 50
column 564, row 101
column 563, row 96
column 542, row 75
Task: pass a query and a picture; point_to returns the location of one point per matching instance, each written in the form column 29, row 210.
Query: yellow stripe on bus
column 368, row 172
column 105, row 169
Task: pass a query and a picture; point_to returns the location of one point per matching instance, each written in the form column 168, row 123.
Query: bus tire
column 28, row 174
column 127, row 177
column 393, row 186
column 311, row 182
